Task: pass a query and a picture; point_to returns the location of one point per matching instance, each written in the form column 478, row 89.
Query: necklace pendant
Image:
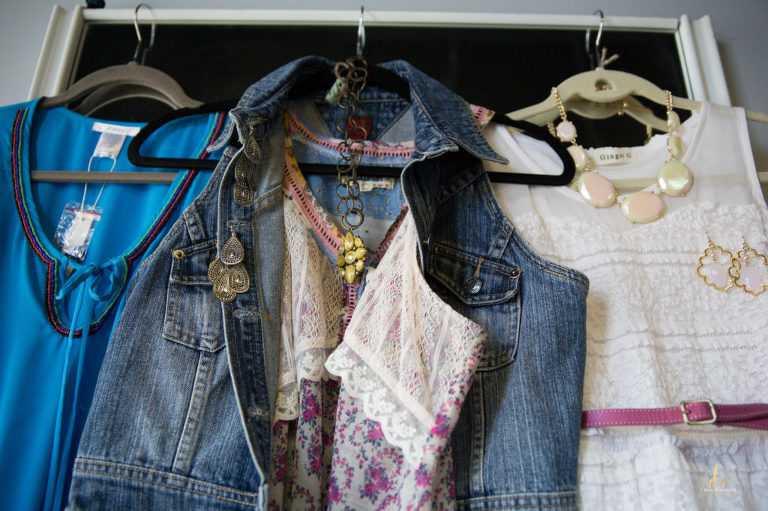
column 579, row 156
column 642, row 207
column 675, row 178
column 227, row 272
column 596, row 189
column 351, row 258
column 566, row 131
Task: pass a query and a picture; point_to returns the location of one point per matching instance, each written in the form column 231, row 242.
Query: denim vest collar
column 442, row 120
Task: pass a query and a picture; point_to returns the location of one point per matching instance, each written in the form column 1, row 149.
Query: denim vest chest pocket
column 490, row 289
column 192, row 313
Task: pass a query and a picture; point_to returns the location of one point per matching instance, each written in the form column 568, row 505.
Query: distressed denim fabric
column 184, row 404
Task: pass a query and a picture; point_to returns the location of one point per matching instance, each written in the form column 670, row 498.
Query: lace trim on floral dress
column 312, row 309
column 311, row 312
column 406, row 364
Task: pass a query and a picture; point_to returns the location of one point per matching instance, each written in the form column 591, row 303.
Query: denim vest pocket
column 487, row 292
column 192, row 313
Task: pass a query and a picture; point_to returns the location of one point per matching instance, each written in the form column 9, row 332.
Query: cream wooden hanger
column 602, row 92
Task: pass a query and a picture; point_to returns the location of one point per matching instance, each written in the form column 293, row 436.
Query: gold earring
column 715, row 267
column 750, row 270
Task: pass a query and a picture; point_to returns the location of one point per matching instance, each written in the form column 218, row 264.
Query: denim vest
column 183, row 409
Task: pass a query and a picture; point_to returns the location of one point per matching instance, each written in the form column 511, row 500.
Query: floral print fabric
column 378, row 437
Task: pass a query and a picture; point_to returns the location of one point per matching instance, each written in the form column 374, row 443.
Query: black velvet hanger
column 539, row 133
column 322, row 80
column 134, row 148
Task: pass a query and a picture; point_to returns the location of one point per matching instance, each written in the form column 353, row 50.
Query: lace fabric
column 312, row 309
column 650, row 468
column 379, row 437
column 406, row 363
column 656, row 335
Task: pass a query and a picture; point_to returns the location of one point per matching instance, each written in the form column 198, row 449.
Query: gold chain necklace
column 351, row 76
column 674, row 177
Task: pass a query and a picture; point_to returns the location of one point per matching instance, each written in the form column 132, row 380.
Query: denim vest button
column 473, row 285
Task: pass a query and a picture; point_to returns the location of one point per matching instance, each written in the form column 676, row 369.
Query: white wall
column 740, row 29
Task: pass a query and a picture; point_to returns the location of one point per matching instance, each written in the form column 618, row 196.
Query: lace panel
column 407, row 356
column 661, row 467
column 656, row 333
column 311, row 311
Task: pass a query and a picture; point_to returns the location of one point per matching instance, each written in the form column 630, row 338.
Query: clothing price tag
column 613, row 155
column 385, row 183
column 78, row 229
column 75, row 229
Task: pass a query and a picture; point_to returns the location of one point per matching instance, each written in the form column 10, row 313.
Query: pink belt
column 701, row 411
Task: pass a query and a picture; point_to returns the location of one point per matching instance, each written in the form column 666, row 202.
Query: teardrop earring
column 227, row 272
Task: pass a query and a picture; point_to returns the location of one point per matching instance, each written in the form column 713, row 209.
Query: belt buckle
column 685, row 412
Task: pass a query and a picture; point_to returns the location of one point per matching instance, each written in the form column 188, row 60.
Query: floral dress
column 370, row 386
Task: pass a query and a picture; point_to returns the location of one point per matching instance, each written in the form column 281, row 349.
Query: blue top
column 58, row 314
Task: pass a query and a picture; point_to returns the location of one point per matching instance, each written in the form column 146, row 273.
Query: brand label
column 109, row 146
column 360, row 127
column 126, row 131
column 385, row 183
column 613, row 155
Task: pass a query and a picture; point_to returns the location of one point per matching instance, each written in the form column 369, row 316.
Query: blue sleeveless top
column 57, row 313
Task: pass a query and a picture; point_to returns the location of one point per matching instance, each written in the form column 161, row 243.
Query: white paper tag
column 109, row 146
column 75, row 230
column 385, row 183
column 80, row 228
column 612, row 155
column 128, row 131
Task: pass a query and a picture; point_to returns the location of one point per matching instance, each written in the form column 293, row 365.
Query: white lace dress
column 656, row 333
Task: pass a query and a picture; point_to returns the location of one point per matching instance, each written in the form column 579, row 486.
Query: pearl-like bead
column 675, row 178
column 675, row 146
column 642, row 207
column 566, row 131
column 596, row 189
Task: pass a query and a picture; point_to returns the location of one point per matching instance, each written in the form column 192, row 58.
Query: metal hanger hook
column 140, row 39
column 599, row 29
column 360, row 33
column 594, row 54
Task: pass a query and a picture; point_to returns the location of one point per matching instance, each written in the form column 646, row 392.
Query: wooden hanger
column 601, row 93
column 613, row 89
